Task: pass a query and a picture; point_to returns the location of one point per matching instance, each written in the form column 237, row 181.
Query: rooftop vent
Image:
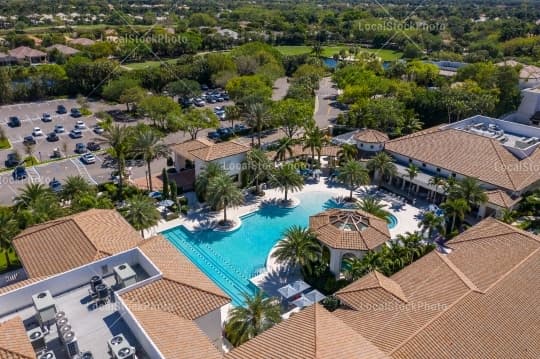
column 47, row 355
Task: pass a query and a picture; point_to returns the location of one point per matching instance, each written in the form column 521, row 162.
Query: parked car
column 29, row 140
column 88, row 158
column 52, row 137
column 225, row 96
column 119, row 115
column 14, row 122
column 80, row 125
column 59, row 129
column 55, row 185
column 204, row 87
column 185, row 102
column 46, row 117
column 75, row 112
column 214, row 135
column 199, row 102
column 20, row 173
column 98, row 129
column 37, row 132
column 75, row 133
column 80, row 148
column 12, row 160
column 92, row 146
column 240, row 127
column 61, row 109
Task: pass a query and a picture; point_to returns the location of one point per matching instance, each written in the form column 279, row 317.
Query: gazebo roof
column 349, row 229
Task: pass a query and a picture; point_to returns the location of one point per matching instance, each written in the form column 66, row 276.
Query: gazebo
column 347, row 233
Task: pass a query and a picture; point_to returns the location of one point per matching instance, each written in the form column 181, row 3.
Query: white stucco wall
column 210, row 324
column 232, row 164
column 369, row 147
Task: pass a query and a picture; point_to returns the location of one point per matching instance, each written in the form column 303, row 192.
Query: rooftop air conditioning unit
column 86, row 355
column 45, row 307
column 47, row 355
column 126, row 353
column 124, row 275
column 94, row 282
column 37, row 338
column 63, row 330
column 72, row 346
column 60, row 323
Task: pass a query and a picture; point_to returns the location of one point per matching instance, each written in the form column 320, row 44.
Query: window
column 453, row 175
column 361, row 145
column 438, row 169
column 423, row 165
column 371, row 146
column 410, row 160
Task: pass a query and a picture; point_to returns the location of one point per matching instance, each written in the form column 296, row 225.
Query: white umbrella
column 315, row 296
column 303, row 301
column 166, row 203
column 300, row 285
column 288, row 291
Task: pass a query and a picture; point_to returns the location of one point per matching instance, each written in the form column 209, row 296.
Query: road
column 326, row 110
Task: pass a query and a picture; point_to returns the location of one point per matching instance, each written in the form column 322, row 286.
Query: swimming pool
column 231, row 259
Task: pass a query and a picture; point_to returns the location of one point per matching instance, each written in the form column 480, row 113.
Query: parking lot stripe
column 82, row 170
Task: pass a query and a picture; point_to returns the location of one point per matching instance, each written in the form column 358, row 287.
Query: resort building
column 368, row 141
column 348, row 233
column 480, row 300
column 197, row 154
column 528, row 112
column 119, row 293
column 503, row 156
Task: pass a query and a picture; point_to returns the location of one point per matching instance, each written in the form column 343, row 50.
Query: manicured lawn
column 329, row 51
column 148, row 64
column 4, row 144
column 12, row 258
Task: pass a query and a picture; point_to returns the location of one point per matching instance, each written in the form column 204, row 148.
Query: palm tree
column 299, row 248
column 381, row 166
column 313, row 139
column 436, row 182
column 469, row 189
column 347, row 152
column 233, row 113
column 36, row 203
column 85, row 201
column 411, row 124
column 456, row 208
column 258, row 314
column 75, row 186
column 287, row 179
column 373, row 206
column 118, row 139
column 258, row 166
column 354, row 268
column 205, row 176
column 353, row 174
column 259, row 115
column 508, row 216
column 284, row 148
column 148, row 144
column 317, row 50
column 431, row 223
column 222, row 193
column 32, row 193
column 140, row 211
column 373, row 261
column 9, row 230
column 412, row 172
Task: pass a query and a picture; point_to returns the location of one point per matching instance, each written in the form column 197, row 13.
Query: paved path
column 326, row 111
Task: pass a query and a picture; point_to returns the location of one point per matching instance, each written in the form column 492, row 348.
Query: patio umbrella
column 317, row 171
column 166, row 203
column 302, row 302
column 315, row 296
column 288, row 291
column 300, row 286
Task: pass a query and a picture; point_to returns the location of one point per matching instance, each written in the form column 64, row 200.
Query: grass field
column 4, row 144
column 329, row 51
column 148, row 64
column 12, row 258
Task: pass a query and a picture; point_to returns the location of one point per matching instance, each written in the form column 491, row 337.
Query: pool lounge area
column 232, row 259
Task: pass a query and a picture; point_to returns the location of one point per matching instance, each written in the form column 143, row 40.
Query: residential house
column 25, row 54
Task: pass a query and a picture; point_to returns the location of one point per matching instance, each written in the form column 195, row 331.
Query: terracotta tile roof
column 82, row 41
column 480, row 301
column 20, row 284
column 501, row 198
column 23, row 52
column 184, row 149
column 175, row 337
column 311, row 333
column 299, row 150
column 371, row 136
column 219, row 150
column 349, row 229
column 14, row 343
column 63, row 244
column 374, row 282
column 66, row 50
column 184, row 290
column 469, row 155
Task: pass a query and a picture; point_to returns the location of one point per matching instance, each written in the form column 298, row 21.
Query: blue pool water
column 231, row 259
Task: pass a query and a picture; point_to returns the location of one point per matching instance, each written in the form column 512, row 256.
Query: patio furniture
column 290, row 290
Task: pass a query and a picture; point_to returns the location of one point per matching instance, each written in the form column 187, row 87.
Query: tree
column 140, row 211
column 353, row 174
column 9, row 230
column 32, row 193
column 373, row 206
column 412, row 172
column 88, row 200
column 257, row 315
column 160, row 109
column 470, row 190
column 165, row 192
column 258, row 168
column 436, row 182
column 347, row 152
column 222, row 193
column 244, row 89
column 75, row 186
column 194, row 120
column 298, row 248
column 233, row 113
column 205, row 176
column 431, row 223
column 118, row 140
column 317, row 50
column 456, row 208
column 258, row 118
column 148, row 145
column 115, row 88
column 382, row 166
column 184, row 88
column 284, row 147
column 6, row 88
column 286, row 178
column 132, row 96
column 36, row 203
column 508, row 216
column 292, row 115
column 314, row 139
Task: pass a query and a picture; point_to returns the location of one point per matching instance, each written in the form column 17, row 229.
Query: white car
column 88, row 158
column 37, row 132
column 59, row 129
column 80, row 125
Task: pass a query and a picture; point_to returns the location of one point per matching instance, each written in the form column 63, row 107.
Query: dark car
column 52, row 137
column 20, row 173
column 214, row 135
column 55, row 185
column 12, row 160
column 75, row 112
column 80, row 148
column 185, row 102
column 92, row 146
column 14, row 122
column 61, row 109
column 119, row 115
column 29, row 140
